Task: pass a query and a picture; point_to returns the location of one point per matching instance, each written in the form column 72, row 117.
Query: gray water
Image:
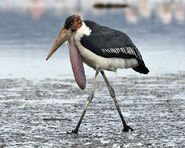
column 27, row 31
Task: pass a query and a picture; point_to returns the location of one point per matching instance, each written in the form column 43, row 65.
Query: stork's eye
column 71, row 23
column 68, row 24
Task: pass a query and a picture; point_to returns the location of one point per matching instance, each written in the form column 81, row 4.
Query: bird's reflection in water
column 144, row 8
column 164, row 12
column 38, row 9
column 179, row 11
column 131, row 14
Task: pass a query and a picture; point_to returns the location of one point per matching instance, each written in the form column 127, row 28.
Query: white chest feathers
column 97, row 62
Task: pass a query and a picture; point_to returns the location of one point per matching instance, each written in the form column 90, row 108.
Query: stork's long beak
column 63, row 36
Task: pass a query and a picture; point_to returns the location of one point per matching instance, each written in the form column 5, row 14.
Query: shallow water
column 27, row 31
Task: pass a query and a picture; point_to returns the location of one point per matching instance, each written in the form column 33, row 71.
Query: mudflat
column 40, row 113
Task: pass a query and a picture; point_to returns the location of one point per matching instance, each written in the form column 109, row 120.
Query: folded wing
column 110, row 43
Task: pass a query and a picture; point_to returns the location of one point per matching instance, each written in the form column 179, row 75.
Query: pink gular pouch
column 76, row 63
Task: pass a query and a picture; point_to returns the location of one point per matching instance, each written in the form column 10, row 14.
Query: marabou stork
column 101, row 48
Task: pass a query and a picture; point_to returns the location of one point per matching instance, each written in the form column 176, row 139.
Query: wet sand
column 39, row 113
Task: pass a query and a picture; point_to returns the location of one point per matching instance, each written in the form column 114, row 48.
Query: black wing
column 110, row 43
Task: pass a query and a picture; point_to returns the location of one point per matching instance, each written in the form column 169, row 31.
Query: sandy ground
column 39, row 114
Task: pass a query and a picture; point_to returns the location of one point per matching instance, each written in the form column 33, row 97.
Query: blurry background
column 29, row 27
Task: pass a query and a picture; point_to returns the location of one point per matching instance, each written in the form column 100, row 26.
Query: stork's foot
column 127, row 128
column 73, row 132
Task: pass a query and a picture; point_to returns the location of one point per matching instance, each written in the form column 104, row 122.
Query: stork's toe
column 127, row 128
column 72, row 132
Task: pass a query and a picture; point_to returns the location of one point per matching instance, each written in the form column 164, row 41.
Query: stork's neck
column 83, row 30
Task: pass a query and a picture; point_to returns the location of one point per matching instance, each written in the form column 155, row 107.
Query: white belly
column 97, row 62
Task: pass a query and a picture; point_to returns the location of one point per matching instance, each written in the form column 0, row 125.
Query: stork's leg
column 126, row 128
column 89, row 99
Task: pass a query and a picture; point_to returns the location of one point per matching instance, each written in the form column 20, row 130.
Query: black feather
column 141, row 68
column 109, row 43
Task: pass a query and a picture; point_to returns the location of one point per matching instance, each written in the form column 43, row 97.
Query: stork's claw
column 127, row 128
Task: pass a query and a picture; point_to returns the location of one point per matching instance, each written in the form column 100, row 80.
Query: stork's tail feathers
column 141, row 68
